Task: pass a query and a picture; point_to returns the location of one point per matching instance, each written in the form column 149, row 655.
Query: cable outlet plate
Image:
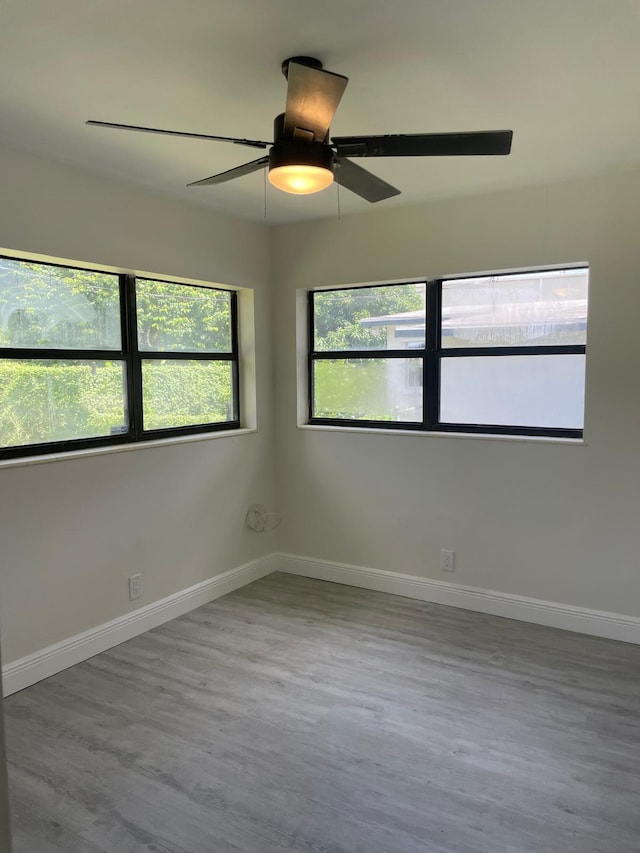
column 135, row 587
column 447, row 561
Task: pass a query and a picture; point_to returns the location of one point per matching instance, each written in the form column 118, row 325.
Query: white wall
column 551, row 521
column 72, row 531
column 547, row 520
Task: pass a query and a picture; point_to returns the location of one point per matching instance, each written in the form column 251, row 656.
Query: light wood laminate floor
column 297, row 715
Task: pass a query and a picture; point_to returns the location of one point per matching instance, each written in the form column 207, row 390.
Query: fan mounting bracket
column 309, row 61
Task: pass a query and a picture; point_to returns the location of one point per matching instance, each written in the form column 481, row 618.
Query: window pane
column 381, row 389
column 533, row 391
column 185, row 393
column 44, row 401
column 182, row 318
column 44, row 306
column 368, row 318
column 544, row 308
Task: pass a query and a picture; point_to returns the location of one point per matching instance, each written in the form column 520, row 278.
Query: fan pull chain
column 338, row 197
column 264, row 172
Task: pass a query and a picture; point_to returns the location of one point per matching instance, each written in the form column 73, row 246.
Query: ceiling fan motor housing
column 292, row 151
column 295, row 153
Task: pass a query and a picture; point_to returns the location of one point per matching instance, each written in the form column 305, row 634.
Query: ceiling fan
column 304, row 159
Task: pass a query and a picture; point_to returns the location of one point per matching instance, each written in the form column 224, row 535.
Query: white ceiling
column 563, row 74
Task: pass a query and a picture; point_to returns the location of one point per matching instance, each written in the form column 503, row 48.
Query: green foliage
column 356, row 389
column 338, row 315
column 180, row 393
column 173, row 317
column 351, row 389
column 57, row 401
column 54, row 307
column 50, row 306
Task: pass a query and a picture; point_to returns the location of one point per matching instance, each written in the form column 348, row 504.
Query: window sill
column 122, row 448
column 536, row 439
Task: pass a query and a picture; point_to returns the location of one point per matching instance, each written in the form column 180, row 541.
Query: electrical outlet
column 447, row 561
column 135, row 587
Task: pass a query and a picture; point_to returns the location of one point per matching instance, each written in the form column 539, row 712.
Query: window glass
column 367, row 318
column 68, row 375
column 376, row 355
column 182, row 318
column 380, row 389
column 51, row 307
column 49, row 400
column 527, row 309
column 520, row 390
column 185, row 393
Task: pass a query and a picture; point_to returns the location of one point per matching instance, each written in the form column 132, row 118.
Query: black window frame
column 131, row 357
column 432, row 355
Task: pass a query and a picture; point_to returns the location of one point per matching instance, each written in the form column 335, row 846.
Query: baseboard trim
column 613, row 626
column 28, row 670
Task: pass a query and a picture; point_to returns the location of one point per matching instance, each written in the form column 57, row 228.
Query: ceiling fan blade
column 313, row 96
column 238, row 172
column 252, row 143
column 480, row 142
column 362, row 182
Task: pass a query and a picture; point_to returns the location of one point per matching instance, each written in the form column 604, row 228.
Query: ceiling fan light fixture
column 300, row 168
column 301, row 180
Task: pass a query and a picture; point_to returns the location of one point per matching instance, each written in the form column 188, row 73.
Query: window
column 90, row 358
column 493, row 354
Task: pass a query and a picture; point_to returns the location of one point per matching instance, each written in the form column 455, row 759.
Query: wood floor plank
column 311, row 717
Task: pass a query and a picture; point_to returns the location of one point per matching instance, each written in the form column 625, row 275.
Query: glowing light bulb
column 301, row 180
